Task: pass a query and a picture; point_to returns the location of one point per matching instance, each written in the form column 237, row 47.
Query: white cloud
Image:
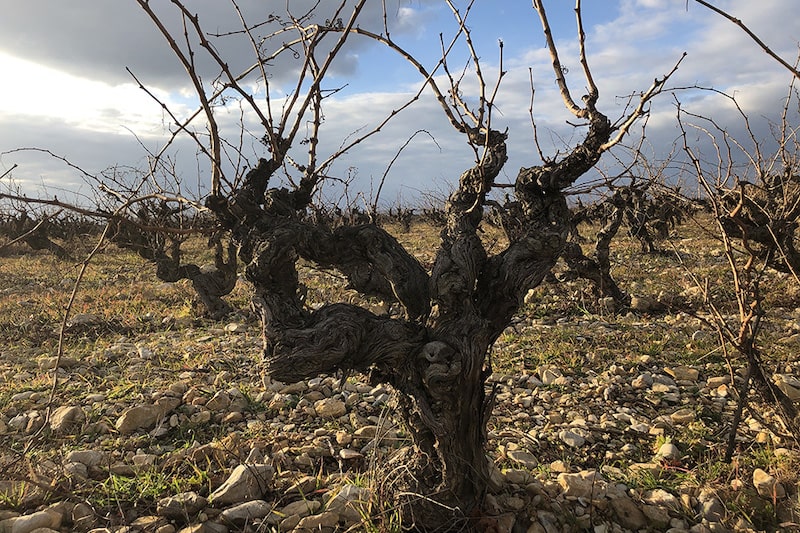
column 82, row 103
column 410, row 20
column 87, row 96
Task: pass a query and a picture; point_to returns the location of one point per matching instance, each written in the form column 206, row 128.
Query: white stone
column 571, row 439
column 205, row 527
column 86, row 457
column 218, row 402
column 254, row 456
column 76, row 470
column 22, row 396
column 518, row 477
column 247, row 511
column 348, row 454
column 628, row 513
column 683, row 416
column 235, row 327
column 789, row 385
column 514, row 503
column 644, row 304
column 668, row 451
column 533, row 383
column 710, row 506
column 144, row 459
column 530, row 297
column 83, row 517
column 293, row 388
column 587, row 484
column 200, row 417
column 661, row 498
column 661, row 388
column 767, row 486
column 181, row 505
column 18, row 422
column 166, row 404
column 42, row 519
column 683, row 373
column 366, row 432
column 350, row 502
column 318, row 522
column 246, row 482
column 330, row 408
column 67, row 418
column 304, row 485
column 716, row 381
column 83, row 319
column 658, row 517
column 642, row 381
column 145, row 352
column 549, row 374
column 289, row 523
column 301, row 508
column 138, row 417
column 523, row 458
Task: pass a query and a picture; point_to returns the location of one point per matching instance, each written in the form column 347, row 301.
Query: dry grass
column 559, row 326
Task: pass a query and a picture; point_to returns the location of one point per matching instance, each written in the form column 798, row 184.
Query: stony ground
column 152, row 420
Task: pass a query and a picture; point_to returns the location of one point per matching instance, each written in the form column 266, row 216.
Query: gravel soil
column 605, row 419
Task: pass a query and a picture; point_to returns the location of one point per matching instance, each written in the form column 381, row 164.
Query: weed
column 12, row 495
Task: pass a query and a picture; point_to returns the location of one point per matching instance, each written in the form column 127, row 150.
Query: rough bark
column 637, row 217
column 767, row 238
column 765, row 218
column 597, row 268
column 444, row 398
column 38, row 240
column 210, row 283
column 37, row 235
column 547, row 225
column 436, row 356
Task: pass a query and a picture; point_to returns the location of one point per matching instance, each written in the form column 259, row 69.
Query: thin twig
column 65, row 321
column 7, row 172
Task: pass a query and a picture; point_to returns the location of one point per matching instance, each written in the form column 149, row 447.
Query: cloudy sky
column 66, row 87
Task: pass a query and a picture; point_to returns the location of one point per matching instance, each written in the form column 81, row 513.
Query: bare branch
column 7, row 172
column 103, row 214
column 28, row 233
column 187, row 62
column 182, row 126
column 654, row 90
column 427, row 75
column 558, row 69
column 753, row 36
column 323, row 69
column 533, row 120
column 269, row 119
column 341, row 337
column 593, row 92
column 477, row 119
column 391, row 163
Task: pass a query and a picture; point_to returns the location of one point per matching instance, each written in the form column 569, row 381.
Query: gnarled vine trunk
column 597, row 267
column 436, row 357
column 210, row 283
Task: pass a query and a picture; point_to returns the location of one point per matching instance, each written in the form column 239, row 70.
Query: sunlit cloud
column 80, row 102
column 85, row 107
